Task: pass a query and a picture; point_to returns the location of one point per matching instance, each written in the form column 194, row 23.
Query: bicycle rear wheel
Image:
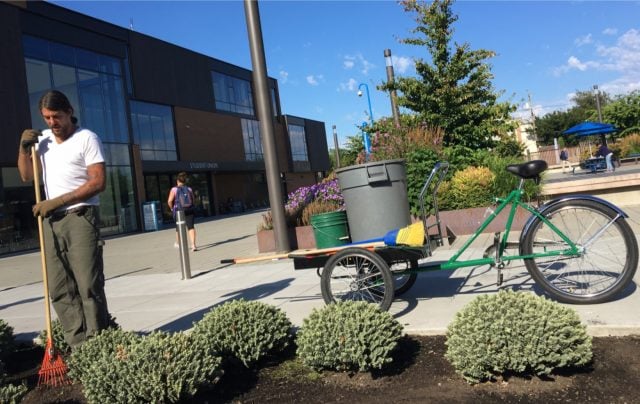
column 608, row 255
column 357, row 274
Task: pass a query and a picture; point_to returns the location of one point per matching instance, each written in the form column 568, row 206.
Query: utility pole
column 595, row 88
column 336, row 147
column 265, row 115
column 393, row 94
column 533, row 117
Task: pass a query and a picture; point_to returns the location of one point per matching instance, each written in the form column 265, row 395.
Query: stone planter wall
column 467, row 221
column 459, row 222
column 300, row 237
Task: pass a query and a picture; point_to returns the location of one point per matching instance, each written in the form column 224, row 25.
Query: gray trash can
column 375, row 195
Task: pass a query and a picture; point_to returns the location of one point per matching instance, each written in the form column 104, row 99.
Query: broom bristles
column 53, row 371
column 412, row 235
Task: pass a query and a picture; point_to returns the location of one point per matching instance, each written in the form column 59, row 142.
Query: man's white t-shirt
column 65, row 164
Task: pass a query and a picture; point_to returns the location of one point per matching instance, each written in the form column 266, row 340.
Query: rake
column 53, row 371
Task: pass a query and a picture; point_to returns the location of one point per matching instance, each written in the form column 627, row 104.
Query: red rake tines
column 53, row 371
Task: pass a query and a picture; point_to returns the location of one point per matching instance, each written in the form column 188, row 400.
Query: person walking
column 73, row 172
column 564, row 158
column 603, row 151
column 181, row 198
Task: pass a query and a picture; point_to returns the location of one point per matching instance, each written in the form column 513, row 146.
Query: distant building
column 158, row 108
column 525, row 134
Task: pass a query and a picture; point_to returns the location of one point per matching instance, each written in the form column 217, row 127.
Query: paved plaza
column 146, row 291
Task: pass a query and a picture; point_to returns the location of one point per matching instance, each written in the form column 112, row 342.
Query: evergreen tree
column 453, row 90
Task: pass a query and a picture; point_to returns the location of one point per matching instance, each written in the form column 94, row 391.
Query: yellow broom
column 412, row 236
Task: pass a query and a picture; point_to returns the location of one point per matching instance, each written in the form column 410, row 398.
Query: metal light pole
column 265, row 115
column 366, row 87
column 336, row 147
column 393, row 94
column 365, row 135
column 595, row 87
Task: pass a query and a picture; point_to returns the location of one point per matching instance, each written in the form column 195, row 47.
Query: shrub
column 58, row 335
column 59, row 342
column 121, row 367
column 469, row 188
column 316, row 207
column 348, row 335
column 11, row 394
column 327, row 194
column 515, row 332
column 629, row 144
column 7, row 339
column 243, row 330
column 419, row 164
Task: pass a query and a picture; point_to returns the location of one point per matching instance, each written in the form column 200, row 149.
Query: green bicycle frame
column 514, row 199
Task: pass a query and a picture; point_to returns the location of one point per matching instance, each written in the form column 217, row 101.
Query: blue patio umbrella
column 590, row 128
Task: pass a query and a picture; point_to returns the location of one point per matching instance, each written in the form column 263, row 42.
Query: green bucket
column 330, row 229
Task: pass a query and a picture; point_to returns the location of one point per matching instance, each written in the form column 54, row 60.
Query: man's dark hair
column 55, row 100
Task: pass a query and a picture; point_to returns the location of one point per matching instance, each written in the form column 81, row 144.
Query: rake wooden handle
column 43, row 259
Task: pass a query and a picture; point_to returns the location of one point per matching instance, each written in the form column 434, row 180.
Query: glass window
column 35, row 47
column 153, row 130
column 61, row 53
column 95, row 89
column 232, row 94
column 298, row 141
column 252, row 140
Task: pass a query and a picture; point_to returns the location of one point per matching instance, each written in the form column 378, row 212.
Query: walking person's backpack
column 183, row 199
column 563, row 155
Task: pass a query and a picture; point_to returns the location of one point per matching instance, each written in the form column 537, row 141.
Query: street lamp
column 365, row 136
column 392, row 93
column 366, row 87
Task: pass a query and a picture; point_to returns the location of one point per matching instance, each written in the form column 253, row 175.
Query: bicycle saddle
column 530, row 169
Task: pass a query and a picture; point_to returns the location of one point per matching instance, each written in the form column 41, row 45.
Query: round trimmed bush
column 246, row 330
column 7, row 339
column 121, row 367
column 348, row 335
column 515, row 332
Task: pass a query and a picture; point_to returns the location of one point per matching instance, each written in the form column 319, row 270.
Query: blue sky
column 320, row 51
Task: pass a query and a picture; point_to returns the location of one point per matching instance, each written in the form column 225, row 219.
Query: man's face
column 58, row 121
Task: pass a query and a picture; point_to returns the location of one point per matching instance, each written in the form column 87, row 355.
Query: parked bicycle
column 579, row 249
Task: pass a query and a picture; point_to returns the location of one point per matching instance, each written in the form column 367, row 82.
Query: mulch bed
column 419, row 374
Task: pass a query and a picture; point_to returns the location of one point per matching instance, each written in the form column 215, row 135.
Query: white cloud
column 623, row 57
column 350, row 85
column 284, row 76
column 351, row 61
column 401, row 64
column 610, row 31
column 315, row 80
column 583, row 40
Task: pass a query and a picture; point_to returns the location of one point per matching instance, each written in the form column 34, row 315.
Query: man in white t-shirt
column 73, row 170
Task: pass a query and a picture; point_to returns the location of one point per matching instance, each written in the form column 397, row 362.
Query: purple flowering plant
column 327, row 191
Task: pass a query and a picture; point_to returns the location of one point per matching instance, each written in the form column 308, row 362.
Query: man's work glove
column 45, row 208
column 29, row 138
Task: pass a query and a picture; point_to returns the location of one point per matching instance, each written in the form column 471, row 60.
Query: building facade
column 158, row 108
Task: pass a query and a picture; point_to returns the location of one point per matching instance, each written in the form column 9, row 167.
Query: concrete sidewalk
column 145, row 290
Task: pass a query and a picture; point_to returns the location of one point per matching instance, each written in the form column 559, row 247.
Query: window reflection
column 298, row 141
column 153, row 130
column 232, row 94
column 252, row 140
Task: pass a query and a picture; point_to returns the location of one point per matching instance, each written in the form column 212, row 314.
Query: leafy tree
column 453, row 90
column 624, row 111
column 354, row 148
